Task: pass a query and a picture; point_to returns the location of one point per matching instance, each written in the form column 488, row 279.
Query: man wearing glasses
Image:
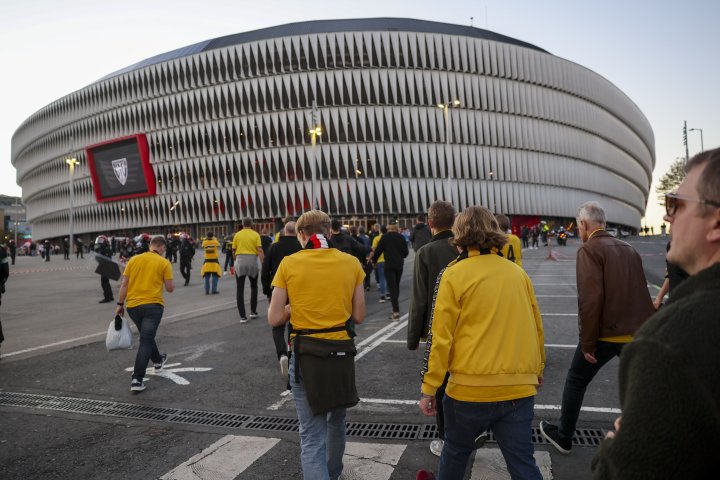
column 613, row 302
column 669, row 386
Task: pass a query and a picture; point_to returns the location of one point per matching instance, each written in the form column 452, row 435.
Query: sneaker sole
column 553, row 442
column 137, row 389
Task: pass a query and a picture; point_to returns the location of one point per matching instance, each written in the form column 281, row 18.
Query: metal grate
column 585, row 437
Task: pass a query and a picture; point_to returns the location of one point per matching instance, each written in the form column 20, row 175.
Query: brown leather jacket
column 613, row 297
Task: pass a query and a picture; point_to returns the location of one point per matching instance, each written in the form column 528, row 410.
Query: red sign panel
column 121, row 169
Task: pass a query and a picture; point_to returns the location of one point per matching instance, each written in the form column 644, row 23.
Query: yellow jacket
column 211, row 263
column 486, row 331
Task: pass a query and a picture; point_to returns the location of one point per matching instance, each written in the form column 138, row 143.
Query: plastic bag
column 119, row 335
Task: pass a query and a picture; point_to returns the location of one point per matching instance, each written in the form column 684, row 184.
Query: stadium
column 370, row 119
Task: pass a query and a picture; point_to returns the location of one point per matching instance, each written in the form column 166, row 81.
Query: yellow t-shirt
column 246, row 241
column 146, row 274
column 376, row 240
column 517, row 248
column 320, row 285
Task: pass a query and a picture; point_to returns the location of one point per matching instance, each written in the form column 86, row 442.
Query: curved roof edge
column 326, row 26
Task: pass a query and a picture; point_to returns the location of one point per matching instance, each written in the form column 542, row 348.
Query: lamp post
column 71, row 163
column 492, row 193
column 17, row 206
column 450, row 173
column 702, row 147
column 315, row 132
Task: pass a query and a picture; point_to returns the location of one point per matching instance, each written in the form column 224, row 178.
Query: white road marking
column 376, row 461
column 102, row 334
column 554, row 284
column 584, row 409
column 223, row 460
column 555, row 296
column 543, row 275
column 171, row 373
column 559, row 314
column 489, row 464
column 547, row 345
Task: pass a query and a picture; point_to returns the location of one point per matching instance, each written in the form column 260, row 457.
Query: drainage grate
column 585, row 437
column 383, row 430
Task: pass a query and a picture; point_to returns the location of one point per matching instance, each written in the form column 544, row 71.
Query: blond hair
column 392, row 227
column 312, row 222
column 477, row 227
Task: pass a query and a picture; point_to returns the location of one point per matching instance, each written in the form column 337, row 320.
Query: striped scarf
column 318, row 240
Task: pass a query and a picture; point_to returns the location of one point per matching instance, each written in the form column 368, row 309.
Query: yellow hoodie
column 486, row 331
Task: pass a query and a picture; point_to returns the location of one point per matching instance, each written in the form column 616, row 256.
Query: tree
column 671, row 180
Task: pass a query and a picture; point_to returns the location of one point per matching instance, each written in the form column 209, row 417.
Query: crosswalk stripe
column 489, row 464
column 374, row 461
column 223, row 460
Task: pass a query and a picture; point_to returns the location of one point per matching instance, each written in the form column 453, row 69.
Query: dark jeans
column 525, row 242
column 228, row 261
column 147, row 320
column 510, row 422
column 107, row 290
column 240, row 294
column 368, row 274
column 579, row 375
column 440, row 412
column 393, row 275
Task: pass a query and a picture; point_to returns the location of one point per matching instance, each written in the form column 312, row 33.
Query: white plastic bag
column 118, row 339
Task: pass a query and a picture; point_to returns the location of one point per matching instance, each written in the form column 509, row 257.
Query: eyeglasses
column 671, row 202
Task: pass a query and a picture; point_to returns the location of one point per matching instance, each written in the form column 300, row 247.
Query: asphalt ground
column 55, row 332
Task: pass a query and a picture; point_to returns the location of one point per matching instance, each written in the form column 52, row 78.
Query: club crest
column 120, row 167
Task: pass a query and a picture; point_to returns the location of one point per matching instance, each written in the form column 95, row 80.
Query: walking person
column 211, row 270
column 420, row 234
column 66, row 249
column 13, row 251
column 486, row 331
column 228, row 251
column 287, row 244
column 394, row 247
column 430, row 260
column 187, row 252
column 46, row 250
column 324, row 288
column 512, row 249
column 79, row 249
column 524, row 234
column 102, row 247
column 379, row 264
column 248, row 250
column 613, row 302
column 142, row 287
column 669, row 373
column 4, row 275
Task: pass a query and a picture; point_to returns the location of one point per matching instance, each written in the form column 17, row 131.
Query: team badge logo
column 120, row 167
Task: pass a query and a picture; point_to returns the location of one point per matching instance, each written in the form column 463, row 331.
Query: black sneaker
column 159, row 366
column 552, row 435
column 481, row 439
column 253, row 315
column 243, row 319
column 106, row 300
column 137, row 385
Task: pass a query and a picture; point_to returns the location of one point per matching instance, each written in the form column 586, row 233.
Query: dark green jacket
column 430, row 259
column 670, row 391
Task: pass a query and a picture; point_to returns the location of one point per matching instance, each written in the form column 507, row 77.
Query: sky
column 663, row 55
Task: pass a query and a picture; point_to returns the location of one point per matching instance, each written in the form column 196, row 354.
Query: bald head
column 290, row 229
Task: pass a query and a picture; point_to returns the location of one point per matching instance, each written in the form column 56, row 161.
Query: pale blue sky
column 663, row 55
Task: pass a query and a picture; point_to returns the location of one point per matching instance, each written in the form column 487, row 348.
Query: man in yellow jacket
column 486, row 331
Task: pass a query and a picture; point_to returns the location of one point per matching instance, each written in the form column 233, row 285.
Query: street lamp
column 492, row 193
column 17, row 206
column 315, row 132
column 702, row 147
column 445, row 108
column 71, row 163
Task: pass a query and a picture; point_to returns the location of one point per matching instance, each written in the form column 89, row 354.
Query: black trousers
column 240, row 294
column 107, row 290
column 393, row 275
column 185, row 270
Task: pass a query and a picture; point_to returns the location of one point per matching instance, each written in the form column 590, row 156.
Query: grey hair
column 290, row 229
column 591, row 212
column 247, row 222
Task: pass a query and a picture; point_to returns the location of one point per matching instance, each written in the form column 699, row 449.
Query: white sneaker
column 436, row 446
column 284, row 366
column 382, row 299
column 243, row 320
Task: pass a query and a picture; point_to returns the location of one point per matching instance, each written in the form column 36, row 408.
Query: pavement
column 217, row 367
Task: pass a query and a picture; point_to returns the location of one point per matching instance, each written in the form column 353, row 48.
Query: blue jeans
column 579, row 376
column 147, row 320
column 214, row 277
column 381, row 277
column 322, row 437
column 510, row 422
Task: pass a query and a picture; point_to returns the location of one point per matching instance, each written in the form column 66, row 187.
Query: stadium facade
column 221, row 130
